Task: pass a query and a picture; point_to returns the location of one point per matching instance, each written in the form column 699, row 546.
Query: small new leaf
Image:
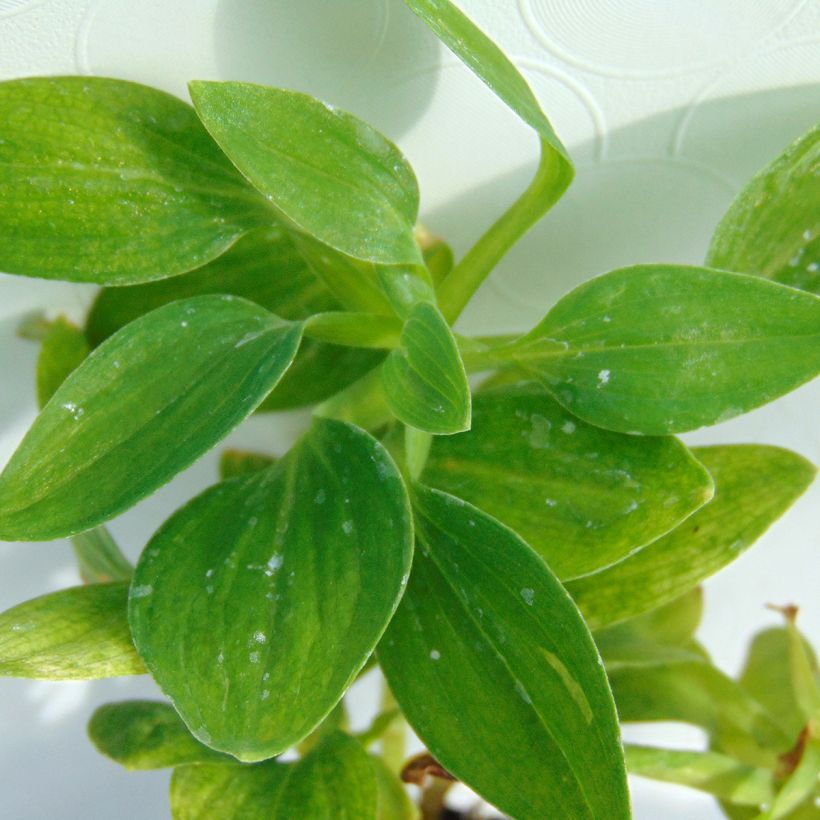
column 146, row 404
column 289, row 574
column 327, row 173
column 662, row 349
column 63, row 349
column 146, row 734
column 111, row 182
column 75, row 634
column 424, row 379
column 486, row 630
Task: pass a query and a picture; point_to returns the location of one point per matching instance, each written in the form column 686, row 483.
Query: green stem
column 363, row 403
column 100, row 558
column 394, row 736
column 354, row 329
column 551, row 180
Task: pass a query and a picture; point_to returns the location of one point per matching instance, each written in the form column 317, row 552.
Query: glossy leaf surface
column 266, row 268
column 424, row 379
column 74, row 634
column 581, row 496
column 328, row 173
column 146, row 734
column 63, row 349
column 773, row 227
column 662, row 349
column 256, row 604
column 755, row 485
column 112, row 182
column 140, row 409
column 485, row 629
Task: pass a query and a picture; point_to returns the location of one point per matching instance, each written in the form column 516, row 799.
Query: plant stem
column 551, row 180
column 100, row 558
column 363, row 403
column 393, row 739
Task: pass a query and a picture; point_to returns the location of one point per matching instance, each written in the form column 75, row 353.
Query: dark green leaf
column 755, row 485
column 146, row 734
column 287, row 575
column 334, row 780
column 583, row 497
column 64, row 349
column 424, row 380
column 112, row 182
column 666, row 348
column 772, row 228
column 328, row 173
column 710, row 772
column 233, row 463
column 495, row 670
column 263, row 267
column 75, row 634
column 227, row 792
column 142, row 407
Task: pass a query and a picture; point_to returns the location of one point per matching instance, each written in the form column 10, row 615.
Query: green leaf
column 142, row 407
column 755, row 485
column 489, row 63
column 233, row 463
column 287, row 575
column 438, row 255
column 497, row 673
column 394, row 802
column 263, row 267
column 214, row 791
column 74, row 634
column 99, row 558
column 581, row 496
column 326, row 172
column 64, row 348
column 767, row 677
column 334, row 780
column 664, row 633
column 698, row 693
column 710, row 772
column 667, row 348
column 146, row 734
column 424, row 379
column 112, row 182
column 801, row 785
column 772, row 228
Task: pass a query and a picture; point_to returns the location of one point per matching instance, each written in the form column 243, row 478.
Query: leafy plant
column 511, row 558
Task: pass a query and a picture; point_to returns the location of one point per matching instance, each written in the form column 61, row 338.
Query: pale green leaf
column 666, row 348
column 581, row 496
column 424, row 379
column 772, row 228
column 146, row 734
column 74, row 634
column 112, row 182
column 487, row 60
column 290, row 574
column 497, row 673
column 146, row 404
column 801, row 785
column 233, row 463
column 263, row 267
column 394, row 802
column 334, row 781
column 755, row 485
column 63, row 349
column 698, row 693
column 215, row 791
column 99, row 558
column 326, row 172
column 767, row 676
column 709, row 772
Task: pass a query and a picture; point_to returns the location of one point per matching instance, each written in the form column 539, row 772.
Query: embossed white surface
column 667, row 107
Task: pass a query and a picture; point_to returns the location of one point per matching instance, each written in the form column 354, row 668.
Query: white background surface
column 667, row 107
